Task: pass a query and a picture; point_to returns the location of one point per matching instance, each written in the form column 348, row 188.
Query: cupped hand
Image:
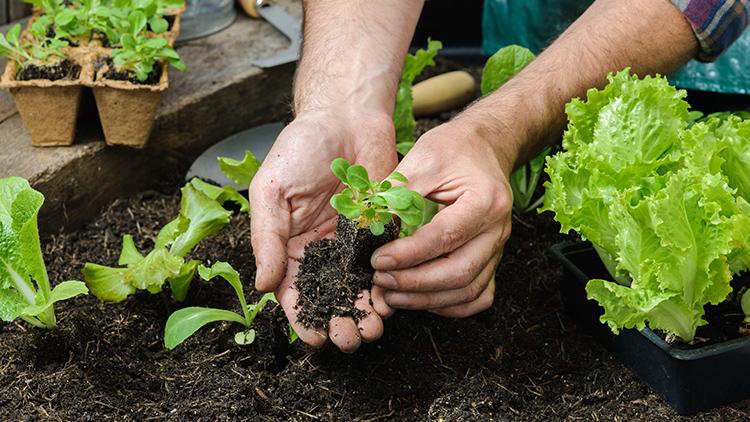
column 448, row 266
column 290, row 207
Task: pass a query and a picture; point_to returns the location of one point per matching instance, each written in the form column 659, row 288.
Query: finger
column 483, row 303
column 444, row 298
column 454, row 271
column 448, row 230
column 378, row 302
column 371, row 326
column 269, row 229
column 287, row 296
column 344, row 334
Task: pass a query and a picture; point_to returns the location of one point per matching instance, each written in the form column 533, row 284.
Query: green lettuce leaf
column 662, row 198
column 241, row 172
column 503, row 65
column 403, row 116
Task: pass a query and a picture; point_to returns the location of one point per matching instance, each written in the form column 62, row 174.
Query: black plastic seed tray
column 689, row 379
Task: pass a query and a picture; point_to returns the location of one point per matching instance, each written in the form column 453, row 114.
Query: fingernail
column 384, row 279
column 383, row 262
column 394, row 299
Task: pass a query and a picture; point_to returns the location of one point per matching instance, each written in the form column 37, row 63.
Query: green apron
column 536, row 23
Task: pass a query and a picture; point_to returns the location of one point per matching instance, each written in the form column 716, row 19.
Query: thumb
column 269, row 228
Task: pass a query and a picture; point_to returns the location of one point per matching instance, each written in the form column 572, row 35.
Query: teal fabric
column 536, row 23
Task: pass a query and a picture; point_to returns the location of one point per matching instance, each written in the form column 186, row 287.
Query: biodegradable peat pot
column 127, row 110
column 690, row 379
column 49, row 109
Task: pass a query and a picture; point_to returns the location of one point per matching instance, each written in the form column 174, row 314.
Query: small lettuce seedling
column 25, row 290
column 372, row 204
column 403, row 115
column 187, row 321
column 202, row 215
column 139, row 53
column 11, row 46
column 499, row 69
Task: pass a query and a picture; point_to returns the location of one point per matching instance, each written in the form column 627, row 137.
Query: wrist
column 499, row 134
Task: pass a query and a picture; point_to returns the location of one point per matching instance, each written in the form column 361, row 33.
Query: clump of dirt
column 64, row 70
column 333, row 273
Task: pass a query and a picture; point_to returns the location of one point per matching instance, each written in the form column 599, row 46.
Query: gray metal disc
column 257, row 140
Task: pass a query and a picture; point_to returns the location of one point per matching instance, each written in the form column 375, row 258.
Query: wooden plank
column 3, row 12
column 220, row 94
column 17, row 10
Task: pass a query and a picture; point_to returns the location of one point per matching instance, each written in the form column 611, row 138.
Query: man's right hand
column 290, row 206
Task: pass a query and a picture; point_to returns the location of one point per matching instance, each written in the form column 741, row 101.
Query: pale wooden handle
column 443, row 92
column 251, row 7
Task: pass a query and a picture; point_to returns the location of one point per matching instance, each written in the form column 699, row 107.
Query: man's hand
column 290, row 206
column 448, row 266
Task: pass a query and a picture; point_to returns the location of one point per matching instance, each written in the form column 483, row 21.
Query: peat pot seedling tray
column 688, row 379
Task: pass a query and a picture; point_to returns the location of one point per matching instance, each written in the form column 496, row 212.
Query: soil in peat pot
column 64, row 70
column 333, row 273
column 112, row 74
column 522, row 359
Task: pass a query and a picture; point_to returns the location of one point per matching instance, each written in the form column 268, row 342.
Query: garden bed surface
column 523, row 359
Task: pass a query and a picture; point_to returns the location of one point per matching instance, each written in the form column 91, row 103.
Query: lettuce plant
column 663, row 199
column 499, row 69
column 11, row 46
column 25, row 290
column 403, row 115
column 372, row 204
column 185, row 322
column 139, row 53
column 202, row 215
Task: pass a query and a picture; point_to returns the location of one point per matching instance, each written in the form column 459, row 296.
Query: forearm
column 353, row 53
column 650, row 36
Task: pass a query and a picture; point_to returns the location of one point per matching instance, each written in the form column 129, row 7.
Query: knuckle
column 500, row 202
column 450, row 238
column 473, row 291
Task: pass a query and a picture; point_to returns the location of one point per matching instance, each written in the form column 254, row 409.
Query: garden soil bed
column 523, row 359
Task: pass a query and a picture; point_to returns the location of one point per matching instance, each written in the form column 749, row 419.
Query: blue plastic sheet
column 536, row 23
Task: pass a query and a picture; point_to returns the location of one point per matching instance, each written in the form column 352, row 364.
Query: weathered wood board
column 220, row 94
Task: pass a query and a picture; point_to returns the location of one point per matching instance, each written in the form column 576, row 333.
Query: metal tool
column 257, row 140
column 205, row 17
column 284, row 23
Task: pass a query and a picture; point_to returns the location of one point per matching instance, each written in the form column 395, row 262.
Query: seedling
column 499, row 69
column 139, row 53
column 202, row 215
column 25, row 290
column 403, row 115
column 11, row 46
column 185, row 322
column 372, row 204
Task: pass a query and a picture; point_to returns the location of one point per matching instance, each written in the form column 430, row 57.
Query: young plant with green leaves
column 187, row 321
column 25, row 290
column 373, row 204
column 12, row 47
column 140, row 54
column 499, row 69
column 202, row 215
column 403, row 115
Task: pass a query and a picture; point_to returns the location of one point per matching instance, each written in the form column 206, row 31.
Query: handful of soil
column 333, row 272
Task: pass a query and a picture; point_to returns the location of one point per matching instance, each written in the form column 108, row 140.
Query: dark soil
column 112, row 74
column 64, row 70
column 521, row 360
column 333, row 273
column 170, row 21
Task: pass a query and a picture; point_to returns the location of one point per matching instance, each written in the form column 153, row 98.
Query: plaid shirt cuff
column 716, row 23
